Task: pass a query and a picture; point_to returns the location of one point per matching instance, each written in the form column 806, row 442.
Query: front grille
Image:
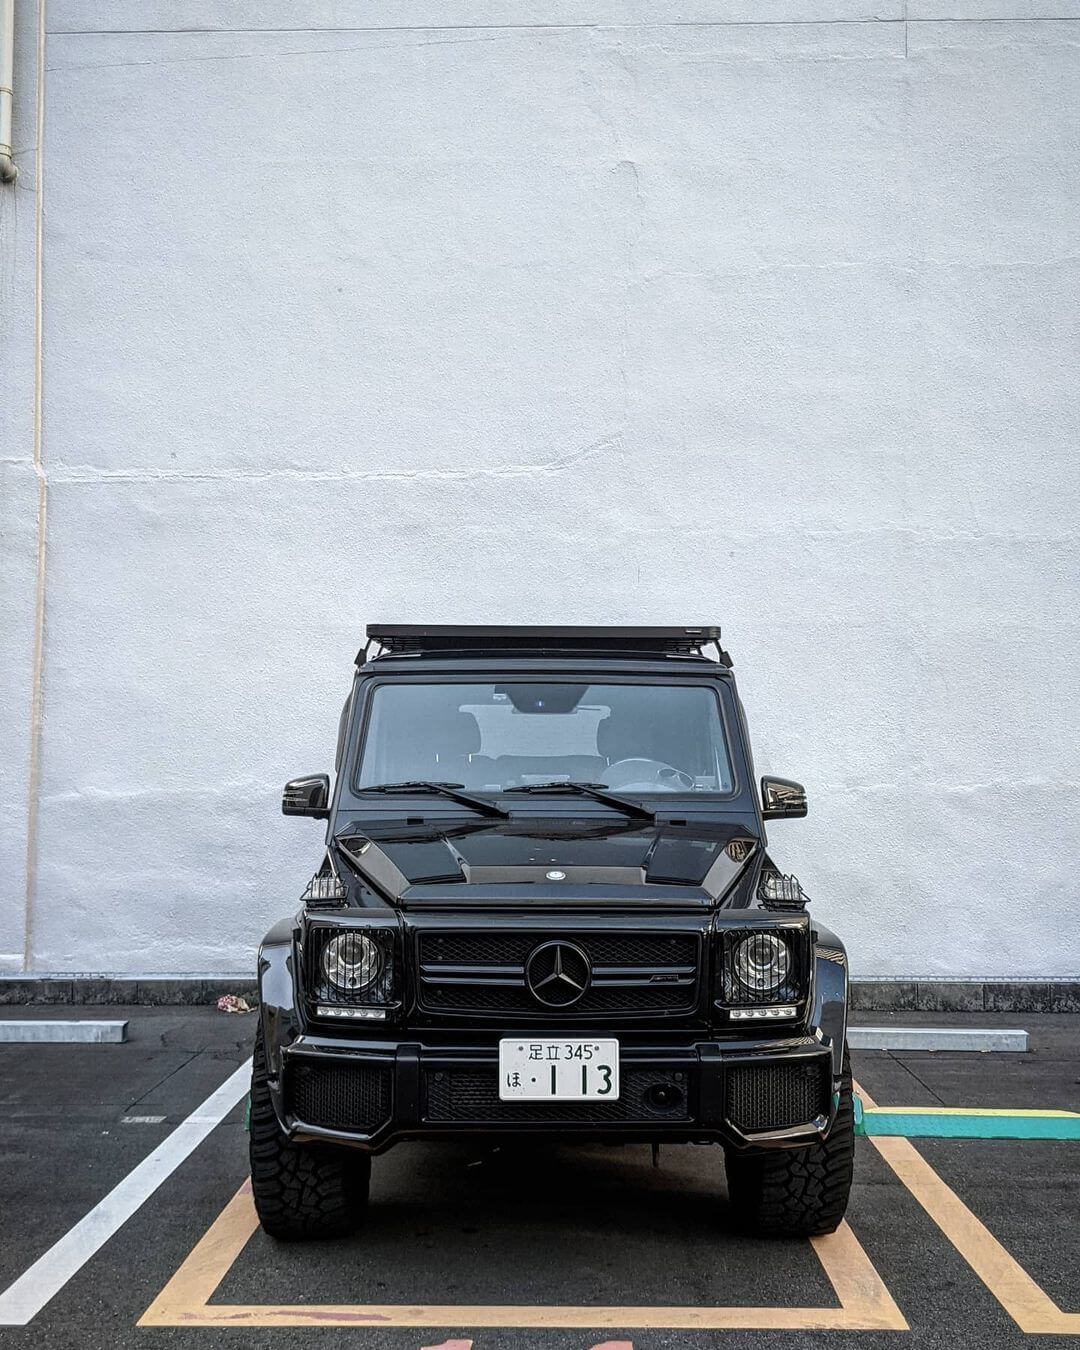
column 339, row 1097
column 481, row 998
column 475, row 948
column 485, row 972
column 776, row 1096
column 471, row 1096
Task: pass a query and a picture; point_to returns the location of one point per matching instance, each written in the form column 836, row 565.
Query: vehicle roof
column 540, row 644
column 488, row 665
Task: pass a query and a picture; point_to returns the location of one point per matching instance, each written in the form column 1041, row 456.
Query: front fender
column 278, row 1011
column 830, row 1010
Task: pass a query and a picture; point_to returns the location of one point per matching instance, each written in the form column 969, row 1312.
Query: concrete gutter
column 937, row 1038
column 8, row 171
column 41, row 1032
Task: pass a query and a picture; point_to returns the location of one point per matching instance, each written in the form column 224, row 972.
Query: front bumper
column 776, row 1093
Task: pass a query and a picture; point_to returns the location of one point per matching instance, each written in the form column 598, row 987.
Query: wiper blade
column 594, row 790
column 450, row 790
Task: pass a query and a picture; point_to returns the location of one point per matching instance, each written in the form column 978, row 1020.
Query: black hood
column 518, row 861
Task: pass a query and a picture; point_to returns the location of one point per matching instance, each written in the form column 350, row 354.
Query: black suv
column 547, row 908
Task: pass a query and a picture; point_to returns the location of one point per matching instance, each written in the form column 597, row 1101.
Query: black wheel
column 300, row 1190
column 799, row 1192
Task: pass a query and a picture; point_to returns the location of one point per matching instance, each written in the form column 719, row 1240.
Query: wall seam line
column 554, row 26
column 42, row 485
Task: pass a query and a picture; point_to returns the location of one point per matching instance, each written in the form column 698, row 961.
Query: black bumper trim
column 704, row 1064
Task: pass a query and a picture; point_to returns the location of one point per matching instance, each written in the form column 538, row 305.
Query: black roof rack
column 406, row 638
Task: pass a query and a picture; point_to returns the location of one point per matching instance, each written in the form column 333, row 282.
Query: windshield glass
column 491, row 737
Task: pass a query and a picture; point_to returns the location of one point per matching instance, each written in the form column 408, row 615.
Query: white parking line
column 24, row 1299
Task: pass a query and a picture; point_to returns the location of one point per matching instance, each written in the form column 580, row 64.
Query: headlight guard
column 352, row 970
column 762, row 965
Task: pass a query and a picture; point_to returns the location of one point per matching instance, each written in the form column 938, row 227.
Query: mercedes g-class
column 548, row 908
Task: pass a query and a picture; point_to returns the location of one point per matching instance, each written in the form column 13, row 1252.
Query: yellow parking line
column 209, row 1261
column 1030, row 1307
column 865, row 1303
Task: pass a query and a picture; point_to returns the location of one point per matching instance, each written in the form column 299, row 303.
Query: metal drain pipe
column 8, row 171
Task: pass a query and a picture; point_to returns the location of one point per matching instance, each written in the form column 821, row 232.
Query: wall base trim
column 150, row 990
column 1035, row 996
column 1039, row 996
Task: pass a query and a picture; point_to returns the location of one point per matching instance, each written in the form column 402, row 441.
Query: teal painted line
column 963, row 1125
column 972, row 1127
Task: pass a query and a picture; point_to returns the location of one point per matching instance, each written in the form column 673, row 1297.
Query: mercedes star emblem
column 558, row 974
column 556, row 876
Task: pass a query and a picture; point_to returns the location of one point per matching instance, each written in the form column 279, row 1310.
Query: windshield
column 498, row 736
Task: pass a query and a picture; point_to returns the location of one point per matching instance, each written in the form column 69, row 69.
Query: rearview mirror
column 781, row 798
column 307, row 797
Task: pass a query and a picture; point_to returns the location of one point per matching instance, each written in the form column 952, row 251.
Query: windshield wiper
column 450, row 790
column 593, row 790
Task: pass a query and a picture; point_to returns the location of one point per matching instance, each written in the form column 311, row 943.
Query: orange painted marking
column 1030, row 1307
column 865, row 1303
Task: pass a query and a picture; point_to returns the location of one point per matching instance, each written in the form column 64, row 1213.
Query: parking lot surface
column 948, row 1242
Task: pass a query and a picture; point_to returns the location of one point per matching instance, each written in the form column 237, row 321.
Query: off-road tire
column 301, row 1191
column 799, row 1192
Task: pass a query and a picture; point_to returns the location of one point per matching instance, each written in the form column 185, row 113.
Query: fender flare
column 830, row 1008
column 279, row 1015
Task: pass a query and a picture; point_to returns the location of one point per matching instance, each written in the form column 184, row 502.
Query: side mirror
column 782, row 799
column 307, row 797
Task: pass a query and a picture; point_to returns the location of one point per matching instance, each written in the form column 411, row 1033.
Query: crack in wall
column 253, row 794
column 87, row 474
column 273, row 54
column 508, row 32
column 230, row 790
column 598, row 24
column 942, row 787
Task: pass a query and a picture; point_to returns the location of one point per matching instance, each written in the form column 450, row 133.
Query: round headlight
column 352, row 961
column 762, row 962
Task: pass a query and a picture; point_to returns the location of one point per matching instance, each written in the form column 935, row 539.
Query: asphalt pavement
column 500, row 1241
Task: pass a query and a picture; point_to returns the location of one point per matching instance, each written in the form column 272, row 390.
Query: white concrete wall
column 546, row 311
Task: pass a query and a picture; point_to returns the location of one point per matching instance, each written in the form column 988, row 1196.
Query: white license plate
column 539, row 1068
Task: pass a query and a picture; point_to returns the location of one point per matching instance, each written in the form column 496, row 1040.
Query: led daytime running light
column 356, row 1014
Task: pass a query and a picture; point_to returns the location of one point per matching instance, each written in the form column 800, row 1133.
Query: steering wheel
column 641, row 770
